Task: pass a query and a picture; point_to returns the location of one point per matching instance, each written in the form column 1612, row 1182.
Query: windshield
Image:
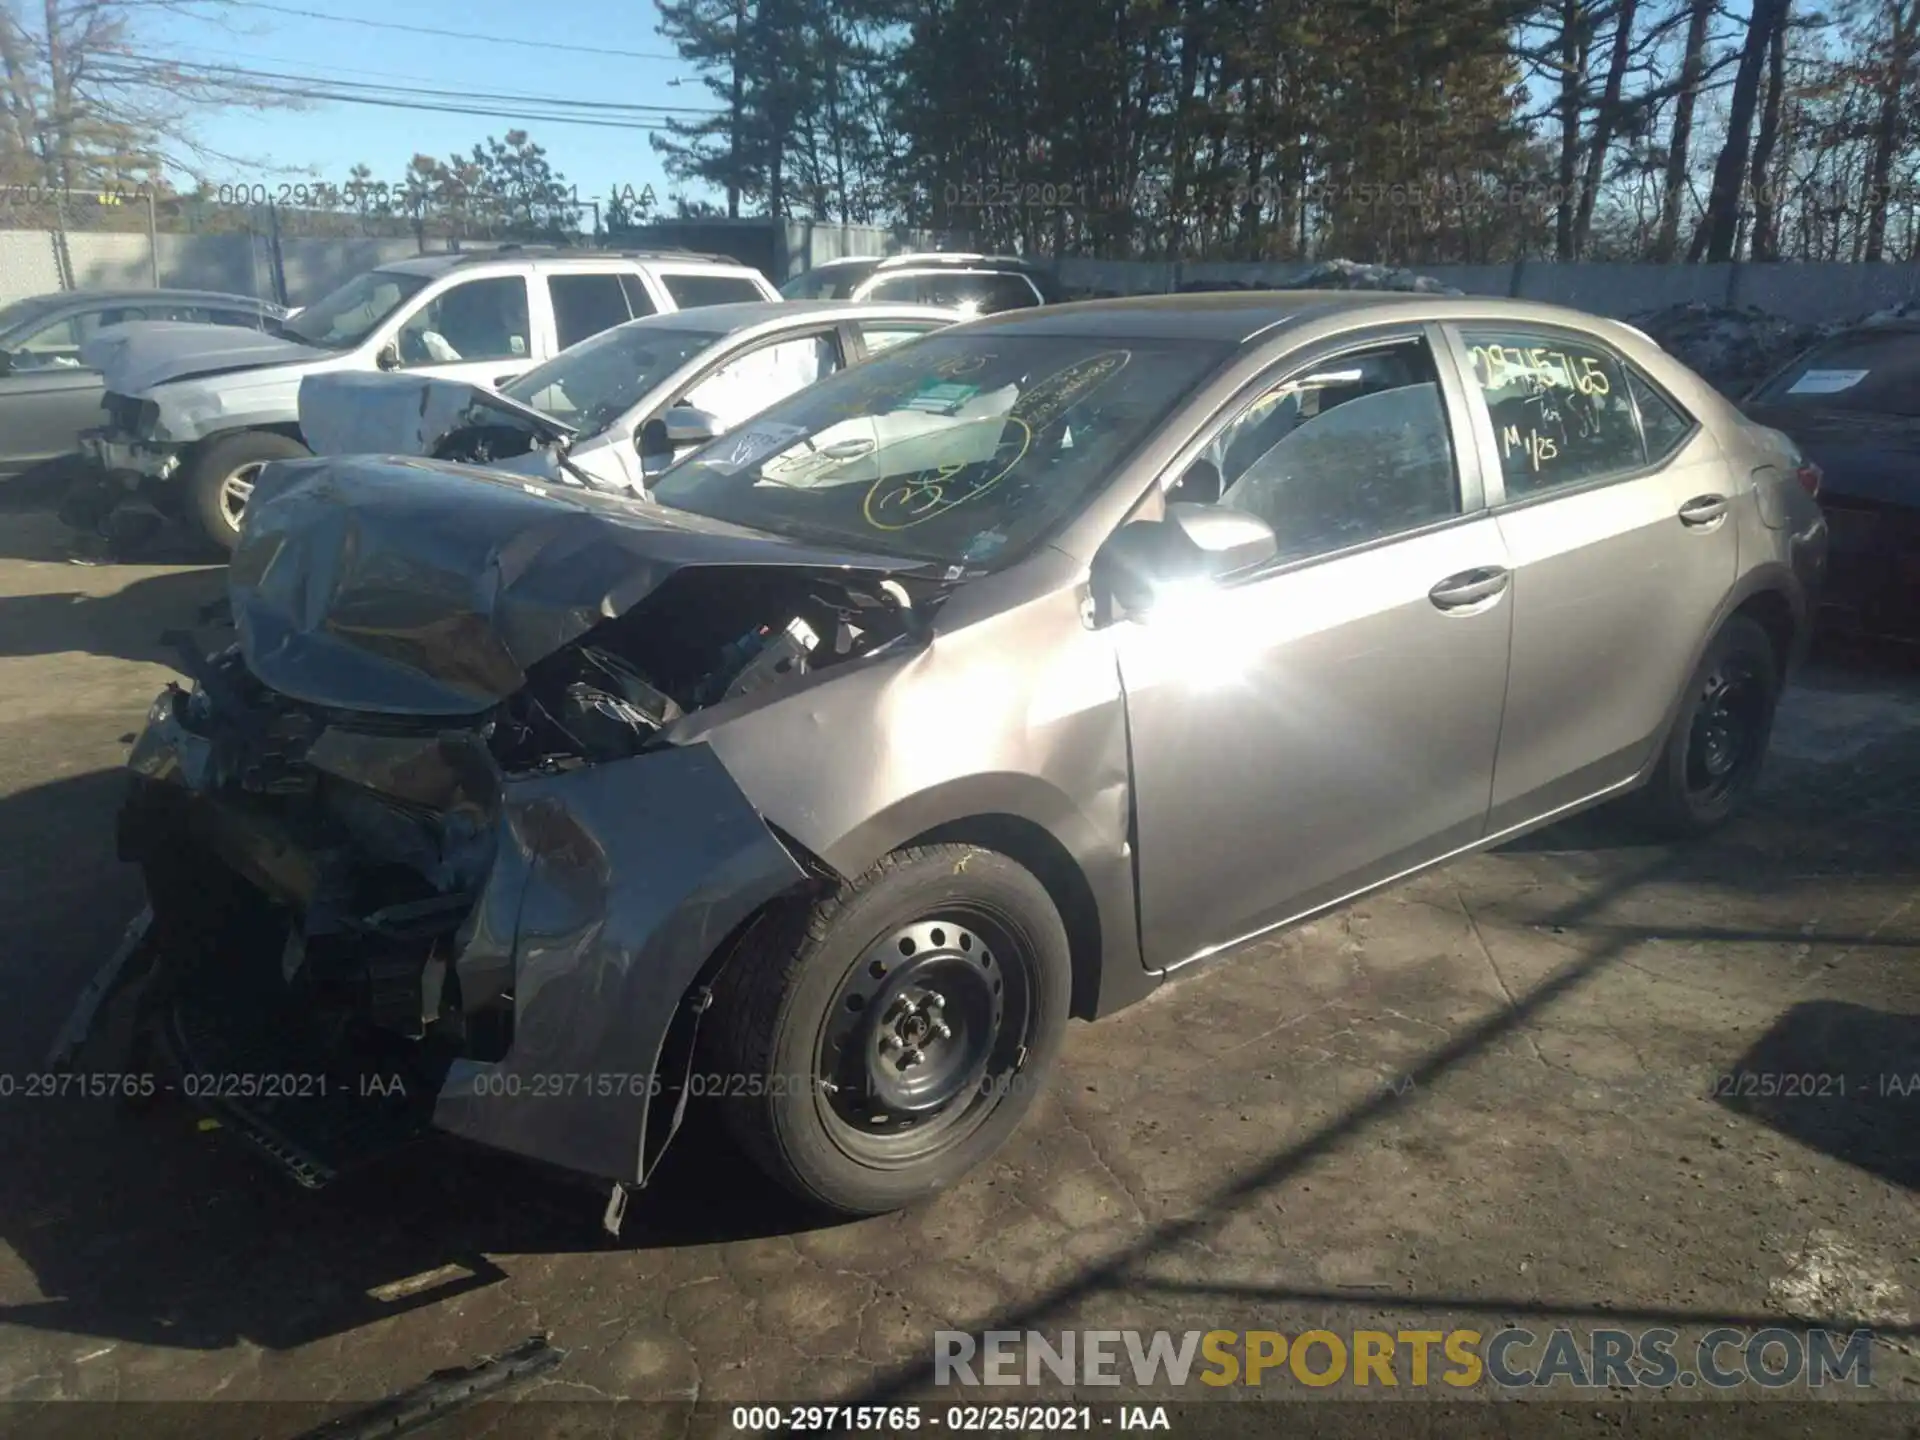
column 960, row 448
column 1873, row 374
column 597, row 381
column 830, row 282
column 345, row 317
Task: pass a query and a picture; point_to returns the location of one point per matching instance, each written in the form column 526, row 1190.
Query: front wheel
column 878, row 1046
column 1712, row 756
column 221, row 479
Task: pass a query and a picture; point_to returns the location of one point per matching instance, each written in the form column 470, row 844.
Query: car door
column 1329, row 721
column 478, row 330
column 46, row 395
column 1622, row 552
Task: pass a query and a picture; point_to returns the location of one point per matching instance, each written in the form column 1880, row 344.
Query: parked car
column 48, row 394
column 983, row 684
column 193, row 415
column 614, row 410
column 1852, row 406
column 978, row 284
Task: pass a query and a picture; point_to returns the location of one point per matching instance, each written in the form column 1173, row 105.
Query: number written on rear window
column 1562, row 411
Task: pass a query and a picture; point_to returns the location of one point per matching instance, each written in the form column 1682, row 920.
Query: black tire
column 1713, row 755
column 221, row 460
column 788, row 1036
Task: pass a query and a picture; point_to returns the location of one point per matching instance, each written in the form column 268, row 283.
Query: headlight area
column 367, row 926
column 308, row 883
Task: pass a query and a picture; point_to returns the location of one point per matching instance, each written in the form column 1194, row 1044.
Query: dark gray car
column 984, row 684
column 47, row 396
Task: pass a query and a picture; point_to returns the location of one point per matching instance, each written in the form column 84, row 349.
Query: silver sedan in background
column 987, row 683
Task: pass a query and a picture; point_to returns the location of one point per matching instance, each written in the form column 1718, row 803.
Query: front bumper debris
column 131, row 462
column 521, row 993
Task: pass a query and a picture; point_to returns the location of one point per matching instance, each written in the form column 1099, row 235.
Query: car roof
column 1238, row 316
column 744, row 314
column 436, row 265
column 59, row 298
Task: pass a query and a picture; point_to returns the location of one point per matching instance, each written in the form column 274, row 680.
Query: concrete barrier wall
column 30, row 265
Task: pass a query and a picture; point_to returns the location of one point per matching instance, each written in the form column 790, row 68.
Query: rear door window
column 689, row 292
column 1562, row 411
column 1868, row 373
column 584, row 305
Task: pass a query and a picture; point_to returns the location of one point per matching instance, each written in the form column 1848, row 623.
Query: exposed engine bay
column 610, row 695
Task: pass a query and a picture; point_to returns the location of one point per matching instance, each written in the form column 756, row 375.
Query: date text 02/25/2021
column 953, row 1419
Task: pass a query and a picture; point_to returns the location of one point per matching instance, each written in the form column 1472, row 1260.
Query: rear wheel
column 1713, row 755
column 878, row 1046
column 222, row 477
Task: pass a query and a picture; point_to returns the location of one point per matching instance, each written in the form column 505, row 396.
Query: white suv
column 194, row 411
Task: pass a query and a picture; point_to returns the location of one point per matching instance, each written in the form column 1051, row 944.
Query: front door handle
column 1703, row 509
column 1470, row 587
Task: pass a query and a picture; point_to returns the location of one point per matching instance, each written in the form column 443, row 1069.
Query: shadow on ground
column 126, row 624
column 1838, row 1078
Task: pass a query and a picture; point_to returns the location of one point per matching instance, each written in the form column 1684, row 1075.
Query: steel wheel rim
column 922, row 1037
column 237, row 489
column 1727, row 724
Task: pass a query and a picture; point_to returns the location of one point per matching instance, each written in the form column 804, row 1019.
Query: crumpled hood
column 419, row 587
column 353, row 412
column 134, row 357
column 1872, row 458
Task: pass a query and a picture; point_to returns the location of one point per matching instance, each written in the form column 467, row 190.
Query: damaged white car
column 616, row 410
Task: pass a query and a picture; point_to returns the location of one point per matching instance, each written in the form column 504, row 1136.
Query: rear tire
column 1713, row 755
column 222, row 477
column 878, row 1045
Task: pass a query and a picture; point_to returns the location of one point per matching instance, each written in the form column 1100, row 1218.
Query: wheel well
column 290, row 429
column 1031, row 845
column 1771, row 612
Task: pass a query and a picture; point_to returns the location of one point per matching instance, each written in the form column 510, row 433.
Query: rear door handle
column 1703, row 509
column 1470, row 587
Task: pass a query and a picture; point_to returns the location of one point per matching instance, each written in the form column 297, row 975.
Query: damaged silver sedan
column 981, row 685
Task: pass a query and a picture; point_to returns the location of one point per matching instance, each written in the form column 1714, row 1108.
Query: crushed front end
column 370, row 918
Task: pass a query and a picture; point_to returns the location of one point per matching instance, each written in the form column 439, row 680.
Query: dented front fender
column 612, row 888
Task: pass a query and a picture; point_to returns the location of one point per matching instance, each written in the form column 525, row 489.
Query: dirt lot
column 1485, row 1098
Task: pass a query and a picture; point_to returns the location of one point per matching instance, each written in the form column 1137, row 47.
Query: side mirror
column 665, row 438
column 1142, row 561
column 6, row 362
column 389, row 356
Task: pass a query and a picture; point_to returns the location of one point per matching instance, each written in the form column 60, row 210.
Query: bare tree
column 89, row 101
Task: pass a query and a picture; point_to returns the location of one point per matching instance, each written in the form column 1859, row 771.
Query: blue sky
column 325, row 141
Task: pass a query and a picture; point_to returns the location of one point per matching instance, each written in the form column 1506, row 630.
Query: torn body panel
column 611, row 929
column 512, row 950
column 413, row 587
column 468, row 839
column 351, row 412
